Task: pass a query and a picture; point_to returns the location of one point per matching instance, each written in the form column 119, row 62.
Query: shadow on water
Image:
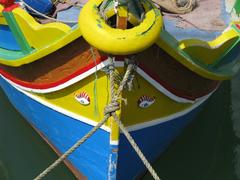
column 208, row 149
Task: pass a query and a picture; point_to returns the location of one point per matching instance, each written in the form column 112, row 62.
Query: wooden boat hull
column 65, row 98
column 62, row 129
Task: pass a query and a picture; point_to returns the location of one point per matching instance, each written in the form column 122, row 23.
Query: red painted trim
column 179, row 93
column 50, row 85
column 167, row 86
column 238, row 26
column 9, row 5
column 11, row 8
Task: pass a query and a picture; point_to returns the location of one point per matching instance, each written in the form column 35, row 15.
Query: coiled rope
column 173, row 6
column 110, row 110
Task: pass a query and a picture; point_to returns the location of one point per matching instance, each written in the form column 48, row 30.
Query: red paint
column 238, row 26
column 49, row 85
column 174, row 91
column 8, row 5
column 179, row 93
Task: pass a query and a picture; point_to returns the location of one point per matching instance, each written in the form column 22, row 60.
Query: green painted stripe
column 237, row 7
column 9, row 55
column 13, row 25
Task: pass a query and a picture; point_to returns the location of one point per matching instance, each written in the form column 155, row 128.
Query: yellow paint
column 210, row 52
column 114, row 136
column 118, row 41
column 45, row 39
column 95, row 112
column 2, row 19
column 72, row 35
column 163, row 106
column 65, row 98
column 122, row 11
column 39, row 35
column 132, row 19
column 130, row 114
column 172, row 48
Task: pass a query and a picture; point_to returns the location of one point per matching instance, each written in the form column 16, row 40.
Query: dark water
column 208, row 149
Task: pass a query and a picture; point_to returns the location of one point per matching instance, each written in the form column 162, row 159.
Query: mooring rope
column 71, row 150
column 136, row 148
column 120, row 124
column 109, row 110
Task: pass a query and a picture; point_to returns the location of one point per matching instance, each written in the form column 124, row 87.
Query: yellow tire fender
column 117, row 41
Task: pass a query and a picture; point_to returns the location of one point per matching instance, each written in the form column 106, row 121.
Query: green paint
column 237, row 7
column 13, row 25
column 235, row 28
column 221, row 70
column 11, row 55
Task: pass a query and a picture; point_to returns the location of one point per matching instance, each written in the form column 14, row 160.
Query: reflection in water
column 237, row 160
column 208, row 149
column 3, row 172
column 236, row 120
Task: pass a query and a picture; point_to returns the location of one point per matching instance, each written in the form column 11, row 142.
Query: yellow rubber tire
column 117, row 41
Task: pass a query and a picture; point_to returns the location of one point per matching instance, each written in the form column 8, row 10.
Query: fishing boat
column 135, row 74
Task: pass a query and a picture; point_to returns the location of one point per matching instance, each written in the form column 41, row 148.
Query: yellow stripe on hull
column 2, row 20
column 130, row 114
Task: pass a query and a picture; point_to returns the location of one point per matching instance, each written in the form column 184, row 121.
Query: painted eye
column 145, row 101
column 83, row 98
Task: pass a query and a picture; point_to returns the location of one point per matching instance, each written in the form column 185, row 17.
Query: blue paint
column 91, row 158
column 226, row 16
column 152, row 141
column 7, row 40
column 94, row 156
column 70, row 15
column 113, row 157
column 188, row 33
column 42, row 6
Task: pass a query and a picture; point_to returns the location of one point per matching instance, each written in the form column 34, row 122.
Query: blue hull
column 92, row 158
column 152, row 141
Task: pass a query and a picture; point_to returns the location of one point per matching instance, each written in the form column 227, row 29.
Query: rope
column 43, row 15
column 109, row 110
column 172, row 6
column 136, row 148
column 72, row 149
column 114, row 97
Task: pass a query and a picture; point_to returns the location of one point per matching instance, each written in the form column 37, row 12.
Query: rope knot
column 111, row 107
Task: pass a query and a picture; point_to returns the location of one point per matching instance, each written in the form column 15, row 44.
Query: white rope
column 47, row 17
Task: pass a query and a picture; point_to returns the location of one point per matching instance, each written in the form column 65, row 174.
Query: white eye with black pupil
column 145, row 101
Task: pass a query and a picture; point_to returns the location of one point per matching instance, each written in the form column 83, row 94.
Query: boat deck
column 76, row 58
column 69, row 61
